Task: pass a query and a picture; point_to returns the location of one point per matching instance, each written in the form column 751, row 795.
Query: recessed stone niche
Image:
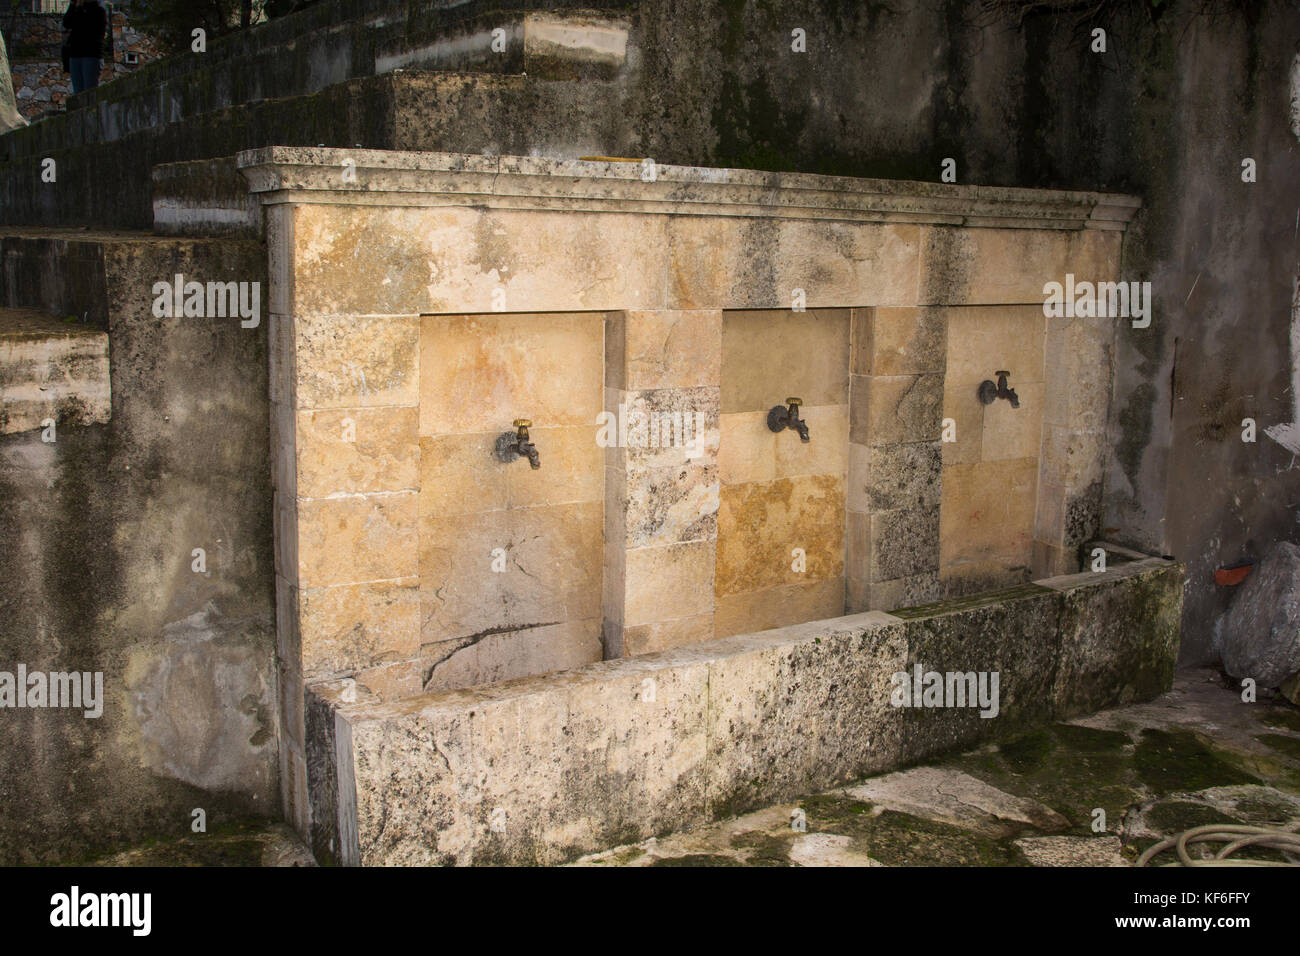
column 424, row 303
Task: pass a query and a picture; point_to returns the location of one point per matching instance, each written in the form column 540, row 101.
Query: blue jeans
column 85, row 72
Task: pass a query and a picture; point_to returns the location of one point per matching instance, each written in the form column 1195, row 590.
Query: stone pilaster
column 662, row 395
column 895, row 458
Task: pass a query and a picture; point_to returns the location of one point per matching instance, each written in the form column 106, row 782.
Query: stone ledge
column 283, row 174
column 545, row 769
column 51, row 370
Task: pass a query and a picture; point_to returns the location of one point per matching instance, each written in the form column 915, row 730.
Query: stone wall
column 99, row 568
column 40, row 83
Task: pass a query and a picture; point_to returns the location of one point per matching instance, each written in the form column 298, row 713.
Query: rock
column 958, row 798
column 827, row 849
column 1072, row 851
column 1259, row 635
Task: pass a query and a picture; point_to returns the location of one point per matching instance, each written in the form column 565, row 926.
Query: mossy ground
column 1151, row 776
column 243, row 843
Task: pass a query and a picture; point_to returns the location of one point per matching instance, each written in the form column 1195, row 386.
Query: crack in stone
column 470, row 640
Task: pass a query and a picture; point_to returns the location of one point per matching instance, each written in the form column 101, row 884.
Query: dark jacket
column 88, row 23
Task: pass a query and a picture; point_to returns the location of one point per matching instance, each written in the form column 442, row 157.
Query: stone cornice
column 281, row 174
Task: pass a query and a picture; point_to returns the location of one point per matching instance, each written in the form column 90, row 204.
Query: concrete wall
column 97, row 564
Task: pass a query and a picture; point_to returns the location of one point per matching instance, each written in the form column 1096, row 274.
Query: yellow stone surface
column 385, row 260
column 983, row 340
column 551, row 561
column 357, row 450
column 770, row 355
column 479, row 373
column 828, row 451
column 664, row 349
column 746, row 448
column 460, row 474
column 988, row 513
column 664, row 635
column 997, row 266
column 741, row 263
column 355, row 539
column 354, row 361
column 778, row 607
column 358, row 625
column 761, row 523
column 512, row 654
column 750, row 451
column 1014, row 432
column 898, row 341
column 962, row 405
column 668, row 583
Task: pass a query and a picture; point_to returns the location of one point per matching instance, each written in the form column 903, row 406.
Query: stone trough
column 548, row 768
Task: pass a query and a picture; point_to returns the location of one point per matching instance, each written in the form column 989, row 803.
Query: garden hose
column 1236, row 837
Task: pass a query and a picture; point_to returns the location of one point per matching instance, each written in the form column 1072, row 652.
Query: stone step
column 51, row 371
column 546, row 769
column 286, row 59
column 109, row 184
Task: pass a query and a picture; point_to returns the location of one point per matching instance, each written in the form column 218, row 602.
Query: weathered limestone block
column 899, row 341
column 998, row 266
column 769, row 355
column 202, row 699
column 790, row 716
column 551, row 570
column 626, row 763
column 890, row 409
column 350, row 626
column 666, row 349
column 352, row 361
column 1119, row 633
column 900, row 476
column 750, row 611
column 904, row 542
column 356, row 451
column 1013, row 633
column 51, row 370
column 760, row 523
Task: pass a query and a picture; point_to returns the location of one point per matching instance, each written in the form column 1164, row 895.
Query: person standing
column 86, row 24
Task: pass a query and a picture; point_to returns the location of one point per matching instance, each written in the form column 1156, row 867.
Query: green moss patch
column 698, row 859
column 1173, row 760
column 1026, row 754
column 1290, row 746
column 766, row 849
column 1282, row 717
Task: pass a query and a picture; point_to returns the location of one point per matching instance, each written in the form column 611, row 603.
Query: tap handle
column 794, row 402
